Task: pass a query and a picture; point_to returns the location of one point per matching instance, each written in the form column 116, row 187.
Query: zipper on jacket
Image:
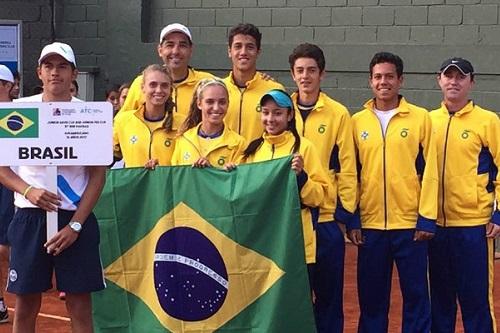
column 385, row 188
column 241, row 109
column 444, row 166
column 384, row 171
column 150, row 142
column 272, row 152
column 175, row 100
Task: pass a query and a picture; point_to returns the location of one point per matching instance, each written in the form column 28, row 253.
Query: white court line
column 46, row 315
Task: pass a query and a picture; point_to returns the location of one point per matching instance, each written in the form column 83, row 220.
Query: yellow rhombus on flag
column 249, row 274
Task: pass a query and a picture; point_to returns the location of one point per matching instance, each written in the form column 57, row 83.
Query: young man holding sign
column 73, row 253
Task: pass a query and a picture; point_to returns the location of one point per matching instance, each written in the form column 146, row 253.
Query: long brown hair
column 194, row 115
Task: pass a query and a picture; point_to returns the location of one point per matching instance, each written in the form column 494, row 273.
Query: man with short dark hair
column 461, row 254
column 398, row 185
column 73, row 253
column 327, row 124
column 175, row 48
column 245, row 84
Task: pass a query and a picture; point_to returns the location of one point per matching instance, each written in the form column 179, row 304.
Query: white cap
column 64, row 50
column 6, row 74
column 175, row 27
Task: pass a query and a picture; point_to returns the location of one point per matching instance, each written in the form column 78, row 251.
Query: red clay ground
column 54, row 307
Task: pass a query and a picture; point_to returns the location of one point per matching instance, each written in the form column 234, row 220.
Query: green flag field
column 202, row 250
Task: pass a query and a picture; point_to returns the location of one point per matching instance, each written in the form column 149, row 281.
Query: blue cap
column 280, row 97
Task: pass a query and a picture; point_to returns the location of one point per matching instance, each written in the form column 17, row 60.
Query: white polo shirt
column 71, row 180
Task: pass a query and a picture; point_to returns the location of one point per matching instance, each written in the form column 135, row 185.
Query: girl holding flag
column 204, row 140
column 146, row 136
column 281, row 139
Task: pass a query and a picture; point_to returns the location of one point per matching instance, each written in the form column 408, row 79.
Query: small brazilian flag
column 19, row 123
column 203, row 250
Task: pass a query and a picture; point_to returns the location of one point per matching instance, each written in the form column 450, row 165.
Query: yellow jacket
column 313, row 182
column 398, row 173
column 187, row 148
column 136, row 144
column 181, row 95
column 242, row 115
column 328, row 126
column 468, row 147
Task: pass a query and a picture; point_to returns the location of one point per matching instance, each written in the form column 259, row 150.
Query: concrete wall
column 115, row 38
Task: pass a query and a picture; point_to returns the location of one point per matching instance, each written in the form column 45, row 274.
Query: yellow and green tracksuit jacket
column 468, row 148
column 187, row 148
column 398, row 173
column 313, row 182
column 181, row 95
column 242, row 115
column 136, row 144
column 328, row 126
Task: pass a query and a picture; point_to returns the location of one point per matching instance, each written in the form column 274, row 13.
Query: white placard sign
column 56, row 133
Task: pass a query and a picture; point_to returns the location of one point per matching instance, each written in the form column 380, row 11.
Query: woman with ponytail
column 146, row 137
column 203, row 139
column 281, row 139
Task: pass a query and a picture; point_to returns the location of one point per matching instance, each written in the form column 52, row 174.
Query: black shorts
column 6, row 212
column 78, row 268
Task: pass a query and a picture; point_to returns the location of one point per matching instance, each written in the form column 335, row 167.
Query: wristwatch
column 75, row 226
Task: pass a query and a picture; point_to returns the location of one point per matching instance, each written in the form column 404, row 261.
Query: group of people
column 410, row 187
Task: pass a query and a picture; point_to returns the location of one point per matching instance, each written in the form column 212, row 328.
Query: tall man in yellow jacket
column 246, row 86
column 327, row 124
column 398, row 200
column 175, row 49
column 461, row 254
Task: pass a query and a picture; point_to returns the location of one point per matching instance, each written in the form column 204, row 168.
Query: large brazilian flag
column 203, row 250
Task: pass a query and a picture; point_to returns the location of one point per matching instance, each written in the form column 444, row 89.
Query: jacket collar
column 139, row 113
column 226, row 138
column 278, row 140
column 320, row 103
column 253, row 82
column 466, row 109
column 402, row 109
column 190, row 80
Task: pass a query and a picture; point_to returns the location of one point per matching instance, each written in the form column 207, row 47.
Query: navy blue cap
column 463, row 65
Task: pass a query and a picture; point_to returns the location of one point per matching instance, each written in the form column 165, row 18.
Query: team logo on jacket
column 404, row 132
column 221, row 161
column 364, row 135
column 322, row 129
column 168, row 142
column 186, row 156
column 133, row 139
column 465, row 134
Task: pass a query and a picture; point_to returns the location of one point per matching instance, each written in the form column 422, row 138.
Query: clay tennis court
column 53, row 317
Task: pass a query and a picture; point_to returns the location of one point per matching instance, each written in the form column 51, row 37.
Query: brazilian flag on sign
column 203, row 250
column 19, row 123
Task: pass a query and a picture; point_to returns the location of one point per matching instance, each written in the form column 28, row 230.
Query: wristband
column 25, row 193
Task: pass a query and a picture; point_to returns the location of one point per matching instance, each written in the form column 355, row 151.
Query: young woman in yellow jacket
column 146, row 136
column 281, row 139
column 203, row 139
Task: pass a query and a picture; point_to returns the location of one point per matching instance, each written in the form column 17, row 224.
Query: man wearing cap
column 73, row 253
column 461, row 253
column 175, row 49
column 398, row 184
column 246, row 86
column 6, row 198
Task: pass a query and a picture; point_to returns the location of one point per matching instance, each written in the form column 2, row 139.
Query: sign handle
column 52, row 187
